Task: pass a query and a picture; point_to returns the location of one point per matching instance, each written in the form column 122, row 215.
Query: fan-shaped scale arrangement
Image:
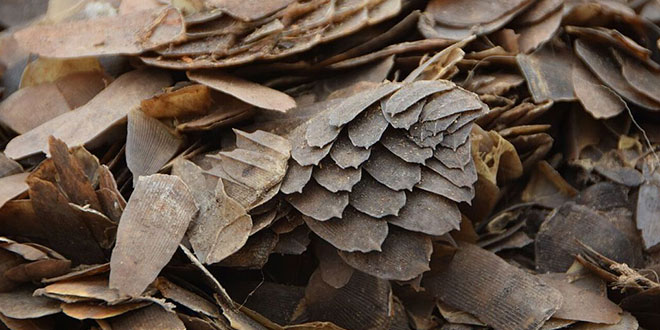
column 253, row 171
column 382, row 172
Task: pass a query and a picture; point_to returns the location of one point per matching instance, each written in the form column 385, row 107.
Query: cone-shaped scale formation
column 366, row 167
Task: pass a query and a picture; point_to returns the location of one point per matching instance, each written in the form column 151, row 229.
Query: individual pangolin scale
column 378, row 163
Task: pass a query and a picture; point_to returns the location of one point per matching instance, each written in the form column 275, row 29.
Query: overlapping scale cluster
column 214, row 39
column 456, row 20
column 394, row 159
